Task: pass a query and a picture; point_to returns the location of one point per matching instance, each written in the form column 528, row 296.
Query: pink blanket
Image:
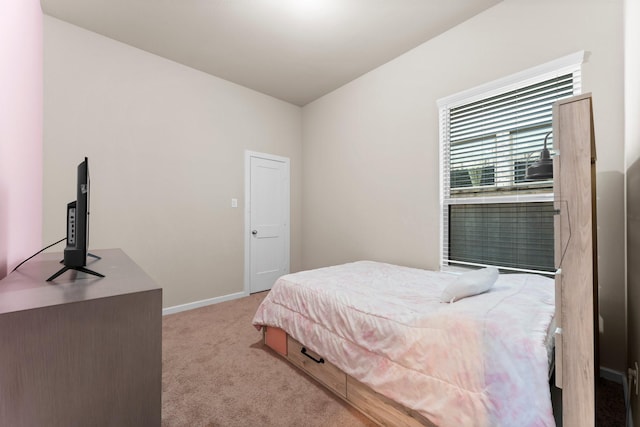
column 480, row 361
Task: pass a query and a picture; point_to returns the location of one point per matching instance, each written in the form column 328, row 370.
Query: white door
column 267, row 228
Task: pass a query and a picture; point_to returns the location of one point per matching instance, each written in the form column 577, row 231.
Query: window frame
column 570, row 64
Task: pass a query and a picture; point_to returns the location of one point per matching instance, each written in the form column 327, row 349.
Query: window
column 491, row 214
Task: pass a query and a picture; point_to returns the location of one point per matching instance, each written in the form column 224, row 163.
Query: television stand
column 83, row 352
column 82, row 269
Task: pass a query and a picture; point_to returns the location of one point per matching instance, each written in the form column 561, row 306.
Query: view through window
column 491, row 213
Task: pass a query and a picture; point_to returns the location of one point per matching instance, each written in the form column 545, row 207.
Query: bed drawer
column 317, row 367
column 382, row 410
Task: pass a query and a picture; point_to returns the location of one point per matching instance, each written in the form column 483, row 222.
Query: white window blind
column 491, row 215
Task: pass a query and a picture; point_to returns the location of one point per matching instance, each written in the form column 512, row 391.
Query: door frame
column 247, row 213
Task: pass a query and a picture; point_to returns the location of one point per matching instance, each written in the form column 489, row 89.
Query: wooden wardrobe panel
column 574, row 188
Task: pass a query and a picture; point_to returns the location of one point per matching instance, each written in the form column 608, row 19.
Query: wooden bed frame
column 576, row 347
column 377, row 407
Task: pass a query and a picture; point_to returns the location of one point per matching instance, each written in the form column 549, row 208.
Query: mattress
column 480, row 361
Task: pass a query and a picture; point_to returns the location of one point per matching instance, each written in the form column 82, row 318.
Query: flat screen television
column 77, row 249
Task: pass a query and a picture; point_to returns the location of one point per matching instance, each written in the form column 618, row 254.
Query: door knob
column 254, row 232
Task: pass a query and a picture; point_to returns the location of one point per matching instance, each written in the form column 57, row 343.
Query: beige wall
column 632, row 163
column 20, row 131
column 166, row 145
column 166, row 153
column 370, row 154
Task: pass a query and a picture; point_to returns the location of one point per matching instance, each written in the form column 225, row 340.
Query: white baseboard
column 202, row 303
column 613, row 375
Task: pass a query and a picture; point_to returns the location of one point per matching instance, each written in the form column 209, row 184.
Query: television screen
column 75, row 254
column 77, row 249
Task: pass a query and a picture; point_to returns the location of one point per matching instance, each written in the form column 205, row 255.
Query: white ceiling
column 294, row 50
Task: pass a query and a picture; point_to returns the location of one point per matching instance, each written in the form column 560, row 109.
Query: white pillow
column 469, row 284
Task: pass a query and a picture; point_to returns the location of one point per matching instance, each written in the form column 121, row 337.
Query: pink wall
column 20, row 131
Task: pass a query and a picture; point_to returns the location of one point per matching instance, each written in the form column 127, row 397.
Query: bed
column 479, row 361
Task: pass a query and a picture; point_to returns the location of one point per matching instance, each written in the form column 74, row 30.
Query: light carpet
column 217, row 372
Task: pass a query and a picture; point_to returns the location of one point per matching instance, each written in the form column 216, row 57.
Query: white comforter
column 480, row 361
